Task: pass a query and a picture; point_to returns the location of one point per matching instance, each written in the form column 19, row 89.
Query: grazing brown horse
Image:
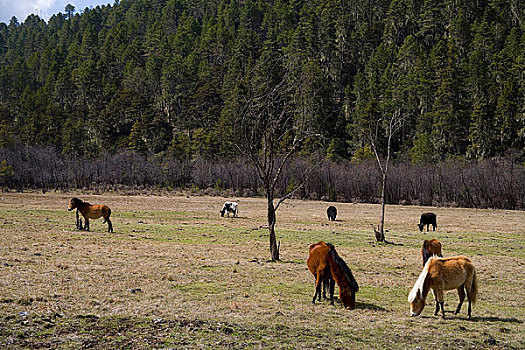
column 441, row 274
column 328, row 267
column 89, row 211
column 430, row 248
column 322, row 273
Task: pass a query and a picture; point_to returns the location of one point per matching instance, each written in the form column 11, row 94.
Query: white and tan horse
column 441, row 274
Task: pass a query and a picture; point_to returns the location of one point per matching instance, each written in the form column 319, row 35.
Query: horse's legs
column 468, row 287
column 437, row 308
column 106, row 215
column 79, row 221
column 438, row 295
column 332, row 287
column 78, row 224
column 320, row 289
column 442, row 303
column 318, row 282
column 461, row 298
column 436, row 300
column 86, row 226
column 326, row 286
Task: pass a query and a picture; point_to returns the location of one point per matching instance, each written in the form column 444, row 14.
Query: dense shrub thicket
column 483, row 184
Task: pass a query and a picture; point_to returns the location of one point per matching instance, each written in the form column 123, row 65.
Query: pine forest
column 180, row 93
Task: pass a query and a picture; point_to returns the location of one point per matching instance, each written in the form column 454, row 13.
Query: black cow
column 331, row 212
column 427, row 219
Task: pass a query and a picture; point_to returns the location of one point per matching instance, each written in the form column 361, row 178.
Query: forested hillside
column 166, row 78
column 156, row 75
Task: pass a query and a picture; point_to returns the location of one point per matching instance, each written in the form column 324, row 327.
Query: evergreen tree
column 451, row 122
column 454, row 69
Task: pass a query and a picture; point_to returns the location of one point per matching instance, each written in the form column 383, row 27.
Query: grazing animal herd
column 328, row 268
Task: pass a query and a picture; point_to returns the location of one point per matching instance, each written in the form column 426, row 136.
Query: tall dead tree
column 269, row 132
column 391, row 124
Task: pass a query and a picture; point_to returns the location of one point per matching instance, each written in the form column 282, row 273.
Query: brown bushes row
column 482, row 184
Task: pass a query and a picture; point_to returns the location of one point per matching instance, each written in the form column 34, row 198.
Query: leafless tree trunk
column 270, row 133
column 274, row 249
column 394, row 123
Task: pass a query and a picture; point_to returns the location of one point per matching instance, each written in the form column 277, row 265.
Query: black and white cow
column 230, row 207
column 331, row 212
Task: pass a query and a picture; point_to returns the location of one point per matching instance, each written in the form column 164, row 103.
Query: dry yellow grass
column 176, row 274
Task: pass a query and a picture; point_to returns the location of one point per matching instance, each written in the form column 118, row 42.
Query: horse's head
column 73, row 203
column 222, row 212
column 347, row 298
column 417, row 305
column 420, row 227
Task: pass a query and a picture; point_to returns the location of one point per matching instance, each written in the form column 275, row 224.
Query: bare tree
column 392, row 124
column 270, row 130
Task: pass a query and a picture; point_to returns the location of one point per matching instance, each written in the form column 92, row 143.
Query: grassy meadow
column 174, row 274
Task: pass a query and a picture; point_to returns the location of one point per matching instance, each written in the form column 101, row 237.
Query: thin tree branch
column 301, row 185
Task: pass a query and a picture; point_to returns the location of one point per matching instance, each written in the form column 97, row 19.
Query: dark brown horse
column 327, row 266
column 430, row 248
column 89, row 211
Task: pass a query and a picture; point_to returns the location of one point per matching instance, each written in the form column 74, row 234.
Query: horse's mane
column 418, row 286
column 425, row 252
column 80, row 203
column 344, row 267
column 313, row 245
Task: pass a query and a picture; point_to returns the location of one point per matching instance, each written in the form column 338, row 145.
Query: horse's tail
column 424, row 252
column 107, row 217
column 474, row 287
